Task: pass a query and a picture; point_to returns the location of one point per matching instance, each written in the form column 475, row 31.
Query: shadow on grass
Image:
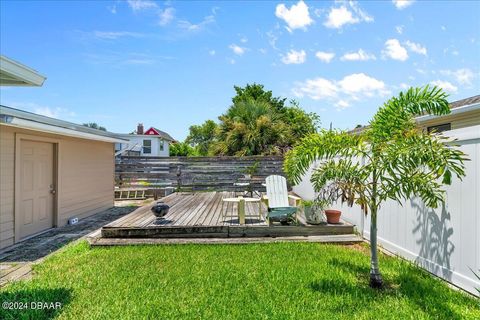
column 411, row 284
column 33, row 303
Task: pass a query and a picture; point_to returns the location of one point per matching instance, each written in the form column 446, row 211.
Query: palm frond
column 324, row 145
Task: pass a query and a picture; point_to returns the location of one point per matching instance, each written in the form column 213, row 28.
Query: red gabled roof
column 152, row 132
column 155, row 132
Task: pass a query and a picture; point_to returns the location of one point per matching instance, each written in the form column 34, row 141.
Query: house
column 150, row 143
column 51, row 170
column 464, row 113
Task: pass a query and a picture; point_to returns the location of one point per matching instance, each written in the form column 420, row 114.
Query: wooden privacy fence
column 195, row 173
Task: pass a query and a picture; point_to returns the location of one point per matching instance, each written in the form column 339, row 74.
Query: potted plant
column 251, row 170
column 312, row 212
column 326, row 197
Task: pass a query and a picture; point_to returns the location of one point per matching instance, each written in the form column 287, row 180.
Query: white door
column 36, row 187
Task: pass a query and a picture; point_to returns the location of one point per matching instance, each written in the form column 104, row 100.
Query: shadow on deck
column 204, row 215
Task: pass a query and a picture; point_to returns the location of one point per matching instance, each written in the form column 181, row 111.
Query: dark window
column 440, row 128
column 161, row 145
column 147, row 146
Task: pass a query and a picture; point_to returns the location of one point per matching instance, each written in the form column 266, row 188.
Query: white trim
column 13, row 73
column 462, row 109
column 36, row 126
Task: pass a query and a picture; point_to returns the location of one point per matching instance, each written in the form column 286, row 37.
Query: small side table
column 241, row 206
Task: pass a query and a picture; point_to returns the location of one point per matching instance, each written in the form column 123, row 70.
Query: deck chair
column 279, row 209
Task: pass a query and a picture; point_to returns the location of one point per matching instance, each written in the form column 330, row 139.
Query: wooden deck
column 204, row 215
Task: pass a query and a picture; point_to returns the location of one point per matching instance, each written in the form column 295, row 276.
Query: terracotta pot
column 333, row 216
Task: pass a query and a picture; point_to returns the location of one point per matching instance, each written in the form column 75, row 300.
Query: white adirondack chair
column 277, row 194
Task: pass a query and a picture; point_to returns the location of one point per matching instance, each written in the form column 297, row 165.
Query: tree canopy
column 203, row 136
column 94, row 125
column 182, row 149
column 258, row 93
column 257, row 123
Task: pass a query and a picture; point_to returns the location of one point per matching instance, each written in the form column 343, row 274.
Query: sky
column 174, row 64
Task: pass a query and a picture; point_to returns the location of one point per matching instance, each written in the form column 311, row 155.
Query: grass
column 254, row 281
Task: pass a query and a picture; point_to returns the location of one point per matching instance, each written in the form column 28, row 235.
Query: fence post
column 179, row 178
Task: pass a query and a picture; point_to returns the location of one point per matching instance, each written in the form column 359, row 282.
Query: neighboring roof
column 458, row 106
column 465, row 102
column 163, row 134
column 13, row 73
column 158, row 133
column 28, row 120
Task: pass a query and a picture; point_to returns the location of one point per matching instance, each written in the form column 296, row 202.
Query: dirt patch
column 361, row 247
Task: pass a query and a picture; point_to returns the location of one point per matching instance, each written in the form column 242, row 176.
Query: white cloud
column 297, row 17
column 463, row 76
column 166, row 16
column 338, row 17
column 263, row 50
column 399, row 29
column 416, row 47
column 360, row 83
column 421, row 71
column 404, row 86
column 212, row 52
column 272, row 38
column 139, row 61
column 244, row 40
column 394, row 50
column 360, row 55
column 325, row 56
column 138, row 5
column 342, row 104
column 445, row 85
column 188, row 26
column 352, row 87
column 317, row 89
column 402, row 4
column 237, row 49
column 294, row 57
column 112, row 9
column 443, row 28
column 122, row 58
column 113, row 35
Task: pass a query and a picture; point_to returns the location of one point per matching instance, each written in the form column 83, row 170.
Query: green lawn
column 254, row 281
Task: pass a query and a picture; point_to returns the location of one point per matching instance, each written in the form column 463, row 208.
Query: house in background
column 51, row 170
column 464, row 113
column 150, row 143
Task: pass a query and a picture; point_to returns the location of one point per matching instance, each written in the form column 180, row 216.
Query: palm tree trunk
column 375, row 276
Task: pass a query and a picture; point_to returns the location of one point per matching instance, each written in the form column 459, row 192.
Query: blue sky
column 174, row 64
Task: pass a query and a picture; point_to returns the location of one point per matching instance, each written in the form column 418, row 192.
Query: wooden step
column 344, row 239
column 224, row 231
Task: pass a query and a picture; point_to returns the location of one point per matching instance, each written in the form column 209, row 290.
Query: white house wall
column 444, row 241
column 137, row 141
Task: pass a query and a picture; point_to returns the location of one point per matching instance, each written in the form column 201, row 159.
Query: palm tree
column 250, row 127
column 391, row 159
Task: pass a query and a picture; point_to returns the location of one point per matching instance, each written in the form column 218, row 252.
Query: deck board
column 200, row 214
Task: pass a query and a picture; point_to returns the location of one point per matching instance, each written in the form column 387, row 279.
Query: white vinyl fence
column 444, row 241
